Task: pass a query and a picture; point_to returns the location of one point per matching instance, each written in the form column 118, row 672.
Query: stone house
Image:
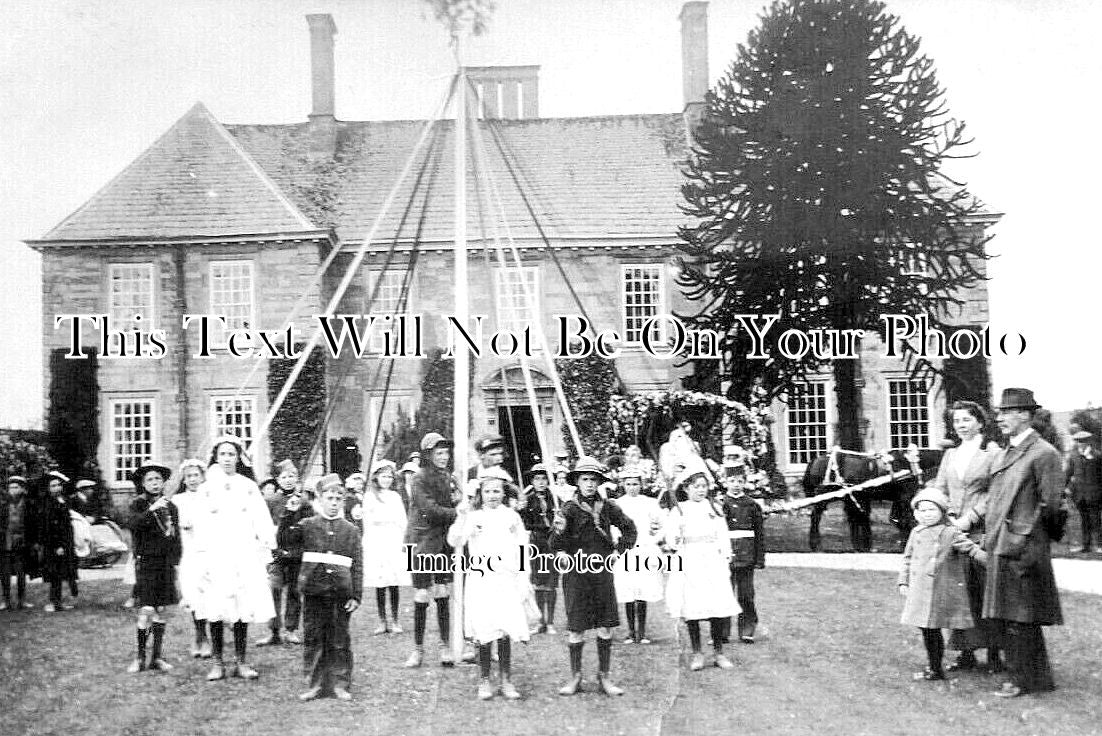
column 237, row 220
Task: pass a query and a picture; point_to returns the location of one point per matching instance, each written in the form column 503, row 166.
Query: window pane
column 643, row 299
column 234, row 416
column 231, row 293
column 517, row 300
column 908, row 413
column 807, row 424
column 131, row 437
column 387, row 289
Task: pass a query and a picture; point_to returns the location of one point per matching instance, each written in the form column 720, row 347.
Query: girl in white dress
column 187, row 502
column 493, row 607
column 637, row 586
column 236, row 539
column 699, row 587
column 384, row 527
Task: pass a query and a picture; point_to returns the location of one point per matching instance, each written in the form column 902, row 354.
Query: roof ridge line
column 267, row 180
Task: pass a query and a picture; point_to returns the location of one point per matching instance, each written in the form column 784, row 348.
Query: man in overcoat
column 1027, row 481
column 1084, row 479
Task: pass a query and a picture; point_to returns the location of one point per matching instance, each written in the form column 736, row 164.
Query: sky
column 87, row 85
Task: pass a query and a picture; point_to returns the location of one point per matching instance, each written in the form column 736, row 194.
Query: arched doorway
column 509, row 413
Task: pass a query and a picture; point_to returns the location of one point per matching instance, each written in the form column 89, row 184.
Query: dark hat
column 431, row 440
column 1018, row 398
column 330, row 481
column 284, row 466
column 586, row 465
column 141, row 470
column 489, row 442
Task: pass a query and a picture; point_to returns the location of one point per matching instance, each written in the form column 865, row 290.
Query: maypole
column 461, row 405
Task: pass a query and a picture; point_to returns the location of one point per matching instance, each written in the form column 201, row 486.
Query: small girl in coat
column 384, row 532
column 493, row 607
column 933, row 576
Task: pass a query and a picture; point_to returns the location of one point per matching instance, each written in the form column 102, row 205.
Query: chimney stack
column 505, row 92
column 694, row 62
column 322, row 68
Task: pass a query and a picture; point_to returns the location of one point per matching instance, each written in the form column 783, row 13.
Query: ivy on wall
column 588, row 384
column 72, row 422
column 298, row 421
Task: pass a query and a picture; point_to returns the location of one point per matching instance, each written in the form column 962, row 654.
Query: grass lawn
column 832, row 659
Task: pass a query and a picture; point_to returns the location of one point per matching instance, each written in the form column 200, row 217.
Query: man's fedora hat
column 1018, row 398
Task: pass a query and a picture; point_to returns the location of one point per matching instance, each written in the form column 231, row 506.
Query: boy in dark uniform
column 286, row 557
column 746, row 526
column 331, row 581
column 432, row 500
column 55, row 537
column 536, row 507
column 156, row 540
column 584, row 525
column 18, row 525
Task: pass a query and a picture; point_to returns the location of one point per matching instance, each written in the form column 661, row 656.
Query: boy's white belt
column 327, row 558
column 740, row 534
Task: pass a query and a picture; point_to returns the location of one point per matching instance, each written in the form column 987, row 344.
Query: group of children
column 36, row 540
column 207, row 536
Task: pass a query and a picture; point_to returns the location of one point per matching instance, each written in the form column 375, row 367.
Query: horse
column 843, row 468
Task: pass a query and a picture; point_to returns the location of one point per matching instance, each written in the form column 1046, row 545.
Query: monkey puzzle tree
column 818, row 193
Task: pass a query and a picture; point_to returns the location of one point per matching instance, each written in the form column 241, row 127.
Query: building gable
column 194, row 181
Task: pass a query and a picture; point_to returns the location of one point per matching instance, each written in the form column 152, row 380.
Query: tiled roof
column 194, row 181
column 606, row 177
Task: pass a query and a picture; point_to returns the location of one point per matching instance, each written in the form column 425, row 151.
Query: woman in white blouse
column 963, row 476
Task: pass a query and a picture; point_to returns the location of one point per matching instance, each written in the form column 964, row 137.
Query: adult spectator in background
column 1084, row 484
column 1027, row 480
column 963, row 477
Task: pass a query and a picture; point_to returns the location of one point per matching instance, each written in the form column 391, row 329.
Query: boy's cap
column 329, row 482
